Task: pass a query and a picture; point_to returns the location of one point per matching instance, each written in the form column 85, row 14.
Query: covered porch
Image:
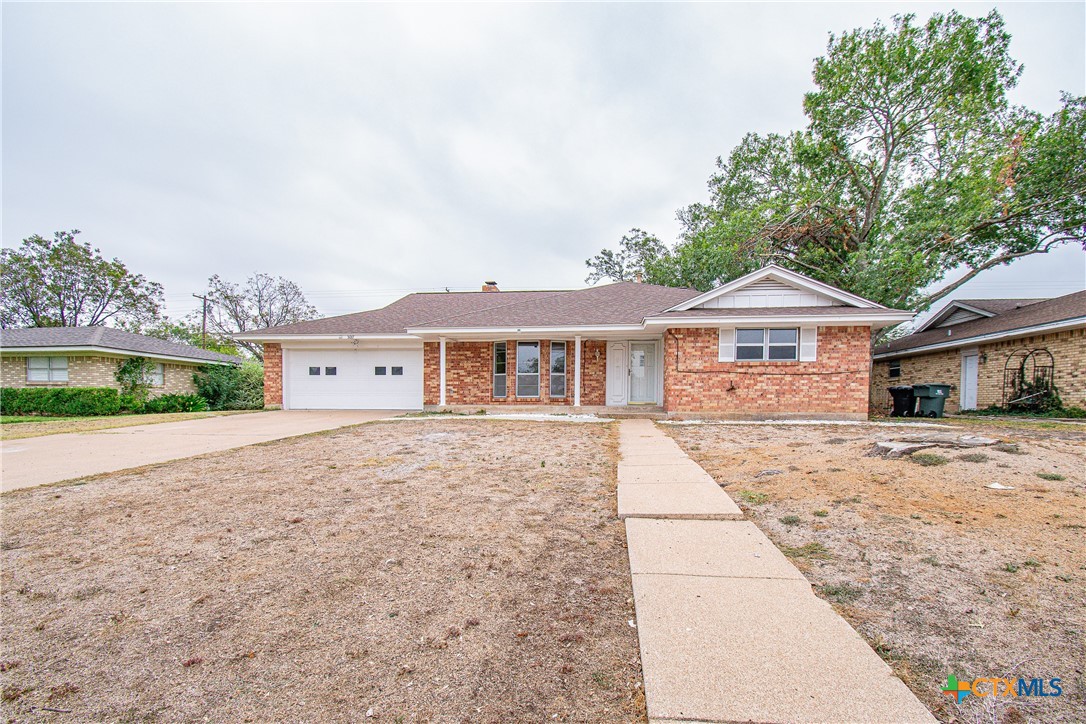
column 601, row 373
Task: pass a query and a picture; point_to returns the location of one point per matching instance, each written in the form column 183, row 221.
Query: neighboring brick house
column 88, row 357
column 975, row 345
column 771, row 344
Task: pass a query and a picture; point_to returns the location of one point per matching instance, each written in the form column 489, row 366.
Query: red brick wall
column 593, row 372
column 469, row 374
column 837, row 382
column 273, row 375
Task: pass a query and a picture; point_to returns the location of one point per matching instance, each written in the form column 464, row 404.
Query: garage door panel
column 355, row 384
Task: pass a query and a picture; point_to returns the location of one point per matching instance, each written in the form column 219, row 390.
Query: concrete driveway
column 50, row 458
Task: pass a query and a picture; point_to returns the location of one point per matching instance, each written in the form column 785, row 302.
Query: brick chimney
column 490, row 286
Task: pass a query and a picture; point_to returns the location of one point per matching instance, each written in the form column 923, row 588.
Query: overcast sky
column 365, row 151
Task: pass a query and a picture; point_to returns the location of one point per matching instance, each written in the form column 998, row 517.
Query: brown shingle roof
column 1049, row 311
column 776, row 311
column 107, row 338
column 619, row 303
column 998, row 306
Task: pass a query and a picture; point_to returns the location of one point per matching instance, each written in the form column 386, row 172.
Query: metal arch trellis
column 1027, row 374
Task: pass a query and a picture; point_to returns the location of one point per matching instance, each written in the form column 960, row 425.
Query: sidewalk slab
column 766, row 650
column 681, row 471
column 676, row 500
column 663, row 457
column 723, row 548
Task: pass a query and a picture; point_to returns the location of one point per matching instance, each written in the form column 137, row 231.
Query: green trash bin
column 931, row 399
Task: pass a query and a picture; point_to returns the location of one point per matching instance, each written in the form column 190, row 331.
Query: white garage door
column 357, row 379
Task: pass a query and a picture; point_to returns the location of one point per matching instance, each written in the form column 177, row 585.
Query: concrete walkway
column 729, row 629
column 51, row 458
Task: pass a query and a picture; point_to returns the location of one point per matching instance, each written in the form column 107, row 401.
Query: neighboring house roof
column 620, row 305
column 105, row 339
column 1017, row 318
column 965, row 310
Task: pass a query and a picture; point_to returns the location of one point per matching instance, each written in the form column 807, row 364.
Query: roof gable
column 774, row 286
column 959, row 311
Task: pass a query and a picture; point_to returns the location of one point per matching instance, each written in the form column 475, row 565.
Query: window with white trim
column 774, row 345
column 527, row 369
column 558, row 369
column 46, row 369
column 500, row 383
column 155, row 376
column 895, row 368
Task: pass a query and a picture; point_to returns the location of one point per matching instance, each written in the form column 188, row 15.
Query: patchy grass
column 807, row 550
column 751, row 497
column 840, row 592
column 790, row 520
column 821, row 513
column 31, row 426
column 928, row 459
column 974, row 458
column 437, row 573
column 929, row 552
column 1051, row 476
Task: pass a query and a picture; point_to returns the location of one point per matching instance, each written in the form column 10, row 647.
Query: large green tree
column 59, row 282
column 913, row 175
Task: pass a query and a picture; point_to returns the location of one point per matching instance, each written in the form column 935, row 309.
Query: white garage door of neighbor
column 357, row 379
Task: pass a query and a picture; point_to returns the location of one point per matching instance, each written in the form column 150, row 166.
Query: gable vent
column 768, row 292
column 962, row 315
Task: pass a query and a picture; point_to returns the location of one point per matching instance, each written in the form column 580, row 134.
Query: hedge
column 60, row 401
column 175, row 403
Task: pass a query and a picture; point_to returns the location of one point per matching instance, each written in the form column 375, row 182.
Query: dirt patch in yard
column 434, row 570
column 939, row 573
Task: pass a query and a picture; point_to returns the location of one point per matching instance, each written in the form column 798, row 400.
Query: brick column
column 273, row 376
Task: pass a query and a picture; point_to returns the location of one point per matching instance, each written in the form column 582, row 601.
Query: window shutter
column 808, row 344
column 727, row 344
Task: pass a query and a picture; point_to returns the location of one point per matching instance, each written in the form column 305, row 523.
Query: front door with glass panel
column 642, row 372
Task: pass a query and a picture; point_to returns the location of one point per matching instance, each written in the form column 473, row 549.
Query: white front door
column 969, row 382
column 642, row 372
column 618, row 373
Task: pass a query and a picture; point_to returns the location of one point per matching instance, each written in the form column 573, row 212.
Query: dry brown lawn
column 429, row 570
column 940, row 574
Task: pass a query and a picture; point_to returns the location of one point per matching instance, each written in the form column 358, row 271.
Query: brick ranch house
column 772, row 343
column 974, row 344
column 88, row 357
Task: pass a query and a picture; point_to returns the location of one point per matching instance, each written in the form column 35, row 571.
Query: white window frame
column 539, row 362
column 55, row 369
column 156, row 376
column 765, row 345
column 563, row 374
column 890, row 369
column 504, row 374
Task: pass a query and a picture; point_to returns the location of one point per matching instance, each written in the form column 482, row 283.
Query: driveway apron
column 51, row 458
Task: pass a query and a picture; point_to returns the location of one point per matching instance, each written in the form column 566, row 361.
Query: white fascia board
column 945, row 312
column 763, row 319
column 498, row 331
column 257, row 337
column 983, row 338
column 786, row 275
column 58, row 351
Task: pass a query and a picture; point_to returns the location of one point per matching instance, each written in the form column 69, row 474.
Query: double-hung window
column 155, row 375
column 775, row 345
column 558, row 369
column 527, row 369
column 500, row 384
column 47, row 369
column 895, row 368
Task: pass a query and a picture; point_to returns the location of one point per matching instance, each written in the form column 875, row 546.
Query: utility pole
column 203, row 344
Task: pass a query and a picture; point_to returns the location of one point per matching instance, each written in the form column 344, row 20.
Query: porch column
column 441, row 344
column 577, row 372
